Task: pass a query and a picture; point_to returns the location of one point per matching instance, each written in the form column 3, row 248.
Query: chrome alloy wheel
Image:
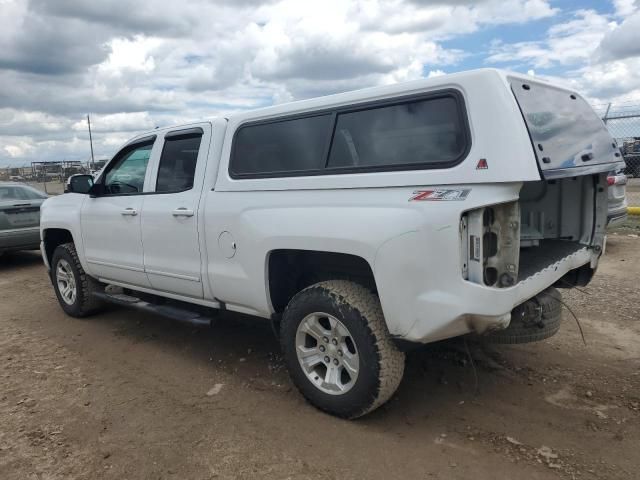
column 327, row 353
column 66, row 282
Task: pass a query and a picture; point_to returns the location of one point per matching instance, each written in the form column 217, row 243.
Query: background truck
column 359, row 223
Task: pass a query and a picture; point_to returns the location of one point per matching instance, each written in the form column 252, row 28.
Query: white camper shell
column 358, row 223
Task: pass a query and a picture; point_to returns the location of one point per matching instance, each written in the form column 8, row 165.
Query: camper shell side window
column 410, row 133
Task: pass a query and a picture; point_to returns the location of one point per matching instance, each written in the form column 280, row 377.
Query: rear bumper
column 472, row 307
column 20, row 239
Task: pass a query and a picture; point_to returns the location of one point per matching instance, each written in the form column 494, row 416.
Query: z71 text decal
column 440, row 195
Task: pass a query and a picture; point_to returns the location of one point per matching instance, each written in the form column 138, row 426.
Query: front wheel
column 338, row 350
column 74, row 288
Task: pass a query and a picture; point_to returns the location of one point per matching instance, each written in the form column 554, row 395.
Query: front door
column 170, row 215
column 111, row 222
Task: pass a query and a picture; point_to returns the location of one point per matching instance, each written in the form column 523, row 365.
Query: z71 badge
column 440, row 195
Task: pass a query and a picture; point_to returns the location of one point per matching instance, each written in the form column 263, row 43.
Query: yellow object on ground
column 633, row 210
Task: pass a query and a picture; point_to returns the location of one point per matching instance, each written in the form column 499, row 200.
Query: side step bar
column 170, row 311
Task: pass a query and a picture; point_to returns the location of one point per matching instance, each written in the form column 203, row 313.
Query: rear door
column 170, row 235
column 568, row 137
column 111, row 222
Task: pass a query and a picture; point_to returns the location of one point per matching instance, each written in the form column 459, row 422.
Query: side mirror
column 80, row 184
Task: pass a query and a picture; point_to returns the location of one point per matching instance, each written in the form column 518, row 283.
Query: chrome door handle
column 182, row 212
column 129, row 211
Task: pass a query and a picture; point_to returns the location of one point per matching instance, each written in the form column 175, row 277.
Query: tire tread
column 87, row 285
column 390, row 359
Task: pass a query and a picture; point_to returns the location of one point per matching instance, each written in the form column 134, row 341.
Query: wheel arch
column 52, row 238
column 289, row 271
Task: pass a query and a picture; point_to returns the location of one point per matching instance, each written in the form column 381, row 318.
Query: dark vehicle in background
column 617, row 198
column 631, row 153
column 19, row 216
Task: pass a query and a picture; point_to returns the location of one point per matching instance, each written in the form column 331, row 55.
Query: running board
column 169, row 311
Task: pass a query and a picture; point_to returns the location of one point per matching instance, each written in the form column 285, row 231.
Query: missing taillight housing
column 490, row 242
column 488, row 217
column 490, row 276
column 492, row 237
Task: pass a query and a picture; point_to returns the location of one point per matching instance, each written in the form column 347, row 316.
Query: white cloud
column 449, row 19
column 601, row 54
column 134, row 67
column 129, row 55
column 117, row 122
column 18, row 150
column 622, row 41
column 567, row 43
column 435, row 73
column 624, row 7
column 612, row 81
column 18, row 122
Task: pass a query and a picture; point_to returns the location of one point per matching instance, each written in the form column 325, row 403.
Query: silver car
column 617, row 205
column 19, row 216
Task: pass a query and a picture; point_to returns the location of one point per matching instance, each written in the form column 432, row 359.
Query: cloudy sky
column 137, row 65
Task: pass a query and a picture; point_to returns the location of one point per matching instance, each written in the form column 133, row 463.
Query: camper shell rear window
column 411, row 133
column 565, row 131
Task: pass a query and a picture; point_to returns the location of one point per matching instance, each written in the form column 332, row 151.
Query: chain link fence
column 623, row 121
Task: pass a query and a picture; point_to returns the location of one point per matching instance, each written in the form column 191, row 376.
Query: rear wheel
column 73, row 287
column 338, row 349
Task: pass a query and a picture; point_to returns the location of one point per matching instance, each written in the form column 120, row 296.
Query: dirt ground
column 127, row 395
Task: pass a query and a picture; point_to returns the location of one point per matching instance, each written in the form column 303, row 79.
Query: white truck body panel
column 113, row 241
column 220, row 254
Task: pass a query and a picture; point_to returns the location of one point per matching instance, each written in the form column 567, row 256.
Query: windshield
column 564, row 129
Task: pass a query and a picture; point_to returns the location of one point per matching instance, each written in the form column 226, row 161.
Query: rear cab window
column 178, row 160
column 430, row 131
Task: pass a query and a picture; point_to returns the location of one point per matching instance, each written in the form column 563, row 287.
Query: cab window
column 126, row 176
column 178, row 161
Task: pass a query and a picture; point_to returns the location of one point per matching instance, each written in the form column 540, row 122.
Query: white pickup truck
column 359, row 223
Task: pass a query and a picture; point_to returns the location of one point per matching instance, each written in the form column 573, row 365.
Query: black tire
column 381, row 363
column 536, row 319
column 85, row 302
